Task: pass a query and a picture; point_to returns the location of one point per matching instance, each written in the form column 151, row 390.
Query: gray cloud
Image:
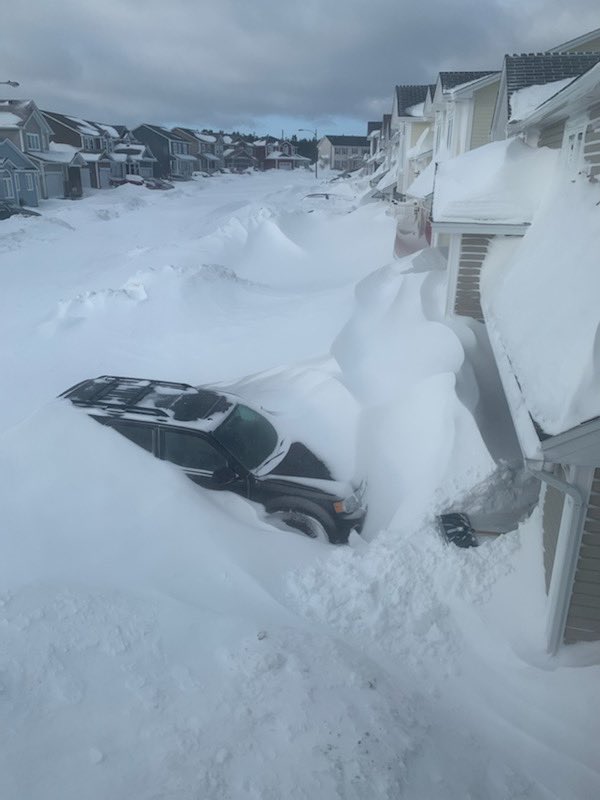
column 236, row 62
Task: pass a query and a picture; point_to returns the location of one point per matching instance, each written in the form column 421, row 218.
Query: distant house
column 274, row 153
column 60, row 170
column 131, row 158
column 408, row 123
column 240, row 156
column 345, row 153
column 19, row 181
column 523, row 78
column 171, row 151
column 94, row 141
column 206, row 147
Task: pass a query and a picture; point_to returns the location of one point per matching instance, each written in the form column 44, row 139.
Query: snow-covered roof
column 184, row 157
column 112, row 132
column 416, row 110
column 501, row 182
column 228, row 152
column 58, row 155
column 543, row 307
column 83, row 126
column 524, row 101
column 8, row 119
column 209, row 156
column 205, row 137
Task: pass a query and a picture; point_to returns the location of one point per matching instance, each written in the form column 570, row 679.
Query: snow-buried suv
column 222, row 443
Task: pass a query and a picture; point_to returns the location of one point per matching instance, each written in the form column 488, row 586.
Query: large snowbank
column 500, row 182
column 542, row 303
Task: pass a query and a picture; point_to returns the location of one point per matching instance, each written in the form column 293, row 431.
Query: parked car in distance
column 223, row 443
column 137, row 180
column 198, row 175
column 9, row 210
column 157, row 183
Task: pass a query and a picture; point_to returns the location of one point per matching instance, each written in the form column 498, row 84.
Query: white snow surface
column 524, row 101
column 161, row 641
column 554, row 270
column 500, row 182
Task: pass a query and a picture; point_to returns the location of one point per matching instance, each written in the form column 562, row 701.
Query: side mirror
column 224, row 476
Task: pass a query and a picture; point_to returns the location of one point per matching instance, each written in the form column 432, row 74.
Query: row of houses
column 499, row 169
column 45, row 154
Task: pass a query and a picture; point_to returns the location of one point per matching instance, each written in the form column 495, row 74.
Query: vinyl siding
column 473, row 250
column 483, row 111
column 552, row 135
column 583, row 619
column 591, row 144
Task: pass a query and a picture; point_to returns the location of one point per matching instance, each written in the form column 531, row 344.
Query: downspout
column 561, row 585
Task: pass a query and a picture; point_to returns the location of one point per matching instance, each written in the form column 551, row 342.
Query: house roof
column 449, row 80
column 580, row 41
column 16, row 112
column 163, row 132
column 536, row 69
column 348, row 141
column 373, row 126
column 409, row 95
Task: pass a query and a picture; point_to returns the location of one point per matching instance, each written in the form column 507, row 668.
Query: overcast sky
column 261, row 65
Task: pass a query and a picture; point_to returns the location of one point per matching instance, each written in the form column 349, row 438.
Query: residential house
column 207, row 148
column 407, row 125
column 346, row 153
column 523, row 261
column 567, row 456
column 94, row 142
column 376, row 154
column 239, row 156
column 129, row 157
column 274, row 153
column 19, row 182
column 59, row 169
column 171, row 151
column 444, row 108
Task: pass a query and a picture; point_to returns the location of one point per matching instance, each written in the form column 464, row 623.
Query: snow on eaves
column 543, row 303
column 524, row 101
column 501, row 182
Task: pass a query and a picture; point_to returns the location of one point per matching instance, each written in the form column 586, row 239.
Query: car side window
column 192, row 452
column 139, row 434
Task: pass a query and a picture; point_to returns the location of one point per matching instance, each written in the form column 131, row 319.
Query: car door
column 201, row 460
column 140, row 433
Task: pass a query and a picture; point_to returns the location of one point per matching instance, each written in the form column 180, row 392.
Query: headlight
column 347, row 506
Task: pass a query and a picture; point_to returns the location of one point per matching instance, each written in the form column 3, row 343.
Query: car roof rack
column 118, row 394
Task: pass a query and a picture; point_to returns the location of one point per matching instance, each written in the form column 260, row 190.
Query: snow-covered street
column 158, row 640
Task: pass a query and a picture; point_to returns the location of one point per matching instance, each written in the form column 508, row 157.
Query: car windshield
column 247, row 435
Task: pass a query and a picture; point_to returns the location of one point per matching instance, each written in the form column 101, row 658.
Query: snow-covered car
column 223, row 443
column 199, row 175
column 157, row 183
column 9, row 210
column 137, row 180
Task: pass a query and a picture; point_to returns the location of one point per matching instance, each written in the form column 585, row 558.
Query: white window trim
column 572, row 154
column 33, row 141
column 9, row 190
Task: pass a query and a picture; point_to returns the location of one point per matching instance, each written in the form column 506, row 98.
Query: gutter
column 561, row 584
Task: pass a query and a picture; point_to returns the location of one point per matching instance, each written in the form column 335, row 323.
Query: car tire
column 312, row 522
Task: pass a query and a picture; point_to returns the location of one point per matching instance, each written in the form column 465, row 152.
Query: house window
column 8, row 188
column 29, row 182
column 32, row 141
column 88, row 142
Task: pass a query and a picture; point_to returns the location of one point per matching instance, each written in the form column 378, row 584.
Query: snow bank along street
column 161, row 641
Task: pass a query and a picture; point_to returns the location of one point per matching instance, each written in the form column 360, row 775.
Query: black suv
column 222, row 443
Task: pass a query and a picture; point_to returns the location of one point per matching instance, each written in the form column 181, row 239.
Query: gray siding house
column 25, row 126
column 19, row 177
column 171, row 151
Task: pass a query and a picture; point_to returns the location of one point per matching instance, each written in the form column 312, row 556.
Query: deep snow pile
column 158, row 640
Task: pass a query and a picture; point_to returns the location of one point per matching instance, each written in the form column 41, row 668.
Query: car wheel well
column 306, row 508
